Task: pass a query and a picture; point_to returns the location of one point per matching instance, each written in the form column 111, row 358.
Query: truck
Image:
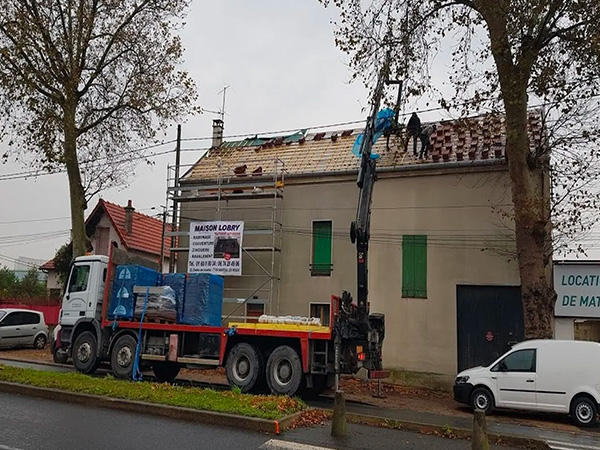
column 284, row 359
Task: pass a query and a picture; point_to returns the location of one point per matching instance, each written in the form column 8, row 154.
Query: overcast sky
column 284, row 72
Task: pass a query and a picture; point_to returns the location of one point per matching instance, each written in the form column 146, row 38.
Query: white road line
column 6, row 447
column 276, row 444
column 559, row 445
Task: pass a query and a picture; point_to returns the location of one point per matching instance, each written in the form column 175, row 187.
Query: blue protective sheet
column 122, row 300
column 176, row 281
column 383, row 122
column 203, row 303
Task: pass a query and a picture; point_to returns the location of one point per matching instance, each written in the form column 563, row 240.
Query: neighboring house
column 441, row 261
column 122, row 227
column 53, row 284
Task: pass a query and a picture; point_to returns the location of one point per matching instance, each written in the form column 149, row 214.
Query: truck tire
column 122, row 357
column 244, row 367
column 59, row 356
column 482, row 398
column 85, row 354
column 284, row 371
column 166, row 372
column 583, row 411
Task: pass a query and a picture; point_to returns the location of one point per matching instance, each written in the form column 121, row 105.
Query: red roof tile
column 48, row 265
column 146, row 231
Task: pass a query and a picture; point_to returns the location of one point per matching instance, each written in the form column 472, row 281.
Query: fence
column 50, row 311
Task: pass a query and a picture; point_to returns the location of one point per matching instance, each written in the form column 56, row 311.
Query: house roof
column 474, row 139
column 146, row 231
column 48, row 265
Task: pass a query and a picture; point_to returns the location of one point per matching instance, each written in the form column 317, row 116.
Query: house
column 110, row 225
column 441, row 258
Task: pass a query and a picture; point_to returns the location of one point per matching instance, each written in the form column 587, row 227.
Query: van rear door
column 516, row 380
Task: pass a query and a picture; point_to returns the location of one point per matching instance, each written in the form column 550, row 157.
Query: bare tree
column 84, row 81
column 504, row 53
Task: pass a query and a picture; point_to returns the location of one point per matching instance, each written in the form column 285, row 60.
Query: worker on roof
column 413, row 129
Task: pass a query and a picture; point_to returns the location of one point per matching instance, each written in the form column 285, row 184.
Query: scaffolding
column 254, row 198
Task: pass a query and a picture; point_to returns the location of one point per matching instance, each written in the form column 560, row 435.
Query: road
column 30, row 423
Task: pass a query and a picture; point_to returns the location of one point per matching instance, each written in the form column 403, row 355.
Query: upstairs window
column 321, row 248
column 414, row 266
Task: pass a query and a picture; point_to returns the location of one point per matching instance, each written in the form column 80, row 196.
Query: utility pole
column 175, row 204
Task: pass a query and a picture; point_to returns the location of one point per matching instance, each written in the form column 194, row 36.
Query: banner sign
column 578, row 290
column 216, row 247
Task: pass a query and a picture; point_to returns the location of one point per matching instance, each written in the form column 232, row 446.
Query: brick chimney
column 217, row 137
column 129, row 217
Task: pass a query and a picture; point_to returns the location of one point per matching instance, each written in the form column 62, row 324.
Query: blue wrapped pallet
column 203, row 303
column 176, row 281
column 122, row 300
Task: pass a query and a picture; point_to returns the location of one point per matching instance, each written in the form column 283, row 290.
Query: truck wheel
column 482, row 398
column 122, row 357
column 85, row 355
column 59, row 356
column 284, row 371
column 166, row 372
column 244, row 367
column 583, row 412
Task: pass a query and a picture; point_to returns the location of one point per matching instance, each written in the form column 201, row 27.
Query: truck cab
column 85, row 290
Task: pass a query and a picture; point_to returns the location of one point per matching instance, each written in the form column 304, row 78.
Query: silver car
column 22, row 328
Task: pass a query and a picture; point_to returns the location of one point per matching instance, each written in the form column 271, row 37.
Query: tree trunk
column 531, row 221
column 77, row 197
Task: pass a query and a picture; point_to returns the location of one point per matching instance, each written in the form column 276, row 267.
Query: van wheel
column 482, row 399
column 123, row 356
column 583, row 412
column 284, row 371
column 85, row 355
column 244, row 367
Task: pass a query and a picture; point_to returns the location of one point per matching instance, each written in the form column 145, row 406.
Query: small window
column 104, row 275
column 519, row 361
column 321, row 311
column 79, row 278
column 414, row 266
column 254, row 311
column 321, row 248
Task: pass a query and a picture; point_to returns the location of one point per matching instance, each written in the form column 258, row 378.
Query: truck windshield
column 79, row 278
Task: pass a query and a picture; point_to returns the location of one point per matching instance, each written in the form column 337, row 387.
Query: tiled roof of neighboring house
column 48, row 265
column 146, row 231
column 472, row 139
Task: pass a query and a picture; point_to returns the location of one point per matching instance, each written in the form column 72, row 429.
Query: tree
column 62, row 262
column 504, row 52
column 84, row 83
column 8, row 283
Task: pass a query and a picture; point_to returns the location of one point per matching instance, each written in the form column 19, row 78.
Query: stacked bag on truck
column 176, row 281
column 122, row 301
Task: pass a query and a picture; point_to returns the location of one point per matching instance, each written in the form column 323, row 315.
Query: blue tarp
column 176, row 281
column 122, row 300
column 203, row 302
column 382, row 123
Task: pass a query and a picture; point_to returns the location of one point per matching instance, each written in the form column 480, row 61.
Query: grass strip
column 231, row 402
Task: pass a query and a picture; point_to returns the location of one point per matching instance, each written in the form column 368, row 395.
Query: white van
column 540, row 375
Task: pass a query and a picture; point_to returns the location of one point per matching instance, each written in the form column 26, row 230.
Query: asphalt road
column 30, row 423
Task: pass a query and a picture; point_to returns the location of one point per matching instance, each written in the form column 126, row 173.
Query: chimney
column 217, row 137
column 129, row 217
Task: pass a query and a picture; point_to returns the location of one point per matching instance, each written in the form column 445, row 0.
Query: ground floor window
column 321, row 311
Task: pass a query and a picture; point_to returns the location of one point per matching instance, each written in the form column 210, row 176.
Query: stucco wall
column 468, row 243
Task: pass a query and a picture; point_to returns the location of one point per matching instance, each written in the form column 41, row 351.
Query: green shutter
column 321, row 254
column 414, row 266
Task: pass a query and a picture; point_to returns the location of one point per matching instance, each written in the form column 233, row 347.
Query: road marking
column 6, row 447
column 276, row 444
column 559, row 445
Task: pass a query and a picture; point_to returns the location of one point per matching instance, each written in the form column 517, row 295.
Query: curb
column 445, row 431
column 36, row 362
column 153, row 409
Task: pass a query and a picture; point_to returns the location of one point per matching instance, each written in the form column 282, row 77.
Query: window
column 321, row 311
column 2, row 314
column 254, row 310
column 321, row 248
column 13, row 319
column 30, row 318
column 414, row 266
column 519, row 361
column 79, row 278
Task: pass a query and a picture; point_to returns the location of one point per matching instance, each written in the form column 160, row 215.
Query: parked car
column 539, row 375
column 22, row 328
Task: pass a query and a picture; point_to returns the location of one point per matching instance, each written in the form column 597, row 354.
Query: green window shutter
column 414, row 266
column 321, row 251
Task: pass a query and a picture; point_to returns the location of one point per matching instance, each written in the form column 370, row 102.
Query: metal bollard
column 479, row 438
